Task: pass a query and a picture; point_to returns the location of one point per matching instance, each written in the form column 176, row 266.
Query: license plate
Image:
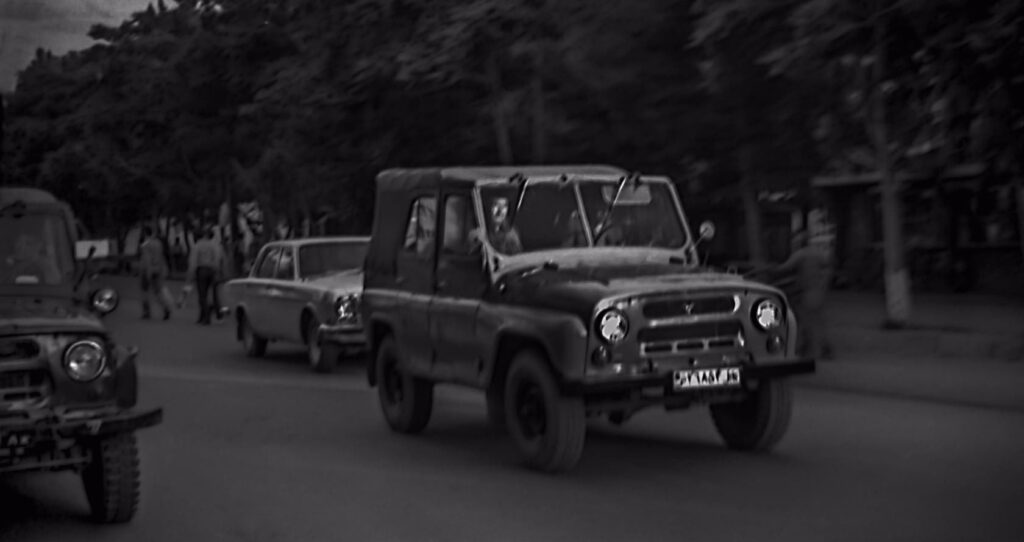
column 688, row 379
column 15, row 440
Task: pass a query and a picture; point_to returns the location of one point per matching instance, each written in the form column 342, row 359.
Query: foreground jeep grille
column 23, row 385
column 18, row 349
column 690, row 338
column 677, row 307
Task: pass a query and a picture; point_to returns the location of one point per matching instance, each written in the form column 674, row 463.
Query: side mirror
column 707, row 231
column 104, row 301
column 92, row 248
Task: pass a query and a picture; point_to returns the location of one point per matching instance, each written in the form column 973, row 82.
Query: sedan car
column 303, row 291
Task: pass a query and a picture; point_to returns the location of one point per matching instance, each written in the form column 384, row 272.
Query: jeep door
column 415, row 281
column 460, row 282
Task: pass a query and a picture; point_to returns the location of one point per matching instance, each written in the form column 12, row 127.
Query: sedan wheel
column 321, row 359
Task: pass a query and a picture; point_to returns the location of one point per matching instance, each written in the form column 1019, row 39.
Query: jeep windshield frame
column 574, row 205
column 37, row 252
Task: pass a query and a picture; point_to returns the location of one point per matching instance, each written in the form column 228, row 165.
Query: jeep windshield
column 34, row 250
column 536, row 215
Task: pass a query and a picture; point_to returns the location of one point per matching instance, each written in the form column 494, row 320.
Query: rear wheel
column 255, row 346
column 111, row 479
column 760, row 421
column 548, row 428
column 406, row 401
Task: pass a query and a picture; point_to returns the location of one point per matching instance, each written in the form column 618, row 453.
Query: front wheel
column 255, row 346
column 407, row 401
column 321, row 360
column 760, row 421
column 548, row 428
column 111, row 479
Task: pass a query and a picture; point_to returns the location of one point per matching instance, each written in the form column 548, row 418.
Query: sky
column 57, row 25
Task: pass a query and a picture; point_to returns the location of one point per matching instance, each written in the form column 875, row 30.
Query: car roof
column 26, row 195
column 402, row 179
column 317, row 240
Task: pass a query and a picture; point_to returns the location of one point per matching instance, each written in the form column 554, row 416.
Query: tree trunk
column 897, row 280
column 751, row 210
column 501, row 127
column 539, row 132
column 1020, row 214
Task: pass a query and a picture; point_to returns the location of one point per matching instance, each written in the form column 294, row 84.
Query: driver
column 504, row 236
column 608, row 233
column 29, row 259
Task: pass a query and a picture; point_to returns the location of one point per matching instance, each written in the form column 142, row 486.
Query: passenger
column 503, row 235
column 153, row 272
column 813, row 271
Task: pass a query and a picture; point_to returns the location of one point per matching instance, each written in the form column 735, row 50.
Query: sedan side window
column 269, row 264
column 286, row 269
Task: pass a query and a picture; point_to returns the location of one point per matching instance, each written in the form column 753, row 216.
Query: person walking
column 812, row 269
column 153, row 273
column 205, row 265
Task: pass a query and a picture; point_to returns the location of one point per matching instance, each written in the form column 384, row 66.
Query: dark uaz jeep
column 67, row 390
column 581, row 295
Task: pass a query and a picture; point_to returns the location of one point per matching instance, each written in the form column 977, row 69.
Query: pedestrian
column 812, row 268
column 153, row 271
column 205, row 266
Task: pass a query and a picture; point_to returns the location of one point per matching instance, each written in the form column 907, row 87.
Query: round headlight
column 767, row 315
column 613, row 326
column 85, row 360
column 347, row 308
column 104, row 300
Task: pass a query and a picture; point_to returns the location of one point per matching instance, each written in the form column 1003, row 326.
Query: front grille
column 23, row 385
column 18, row 349
column 690, row 338
column 697, row 306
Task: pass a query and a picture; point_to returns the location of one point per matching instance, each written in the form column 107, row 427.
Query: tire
column 759, row 422
column 321, row 359
column 496, row 411
column 548, row 428
column 405, row 400
column 254, row 345
column 111, row 479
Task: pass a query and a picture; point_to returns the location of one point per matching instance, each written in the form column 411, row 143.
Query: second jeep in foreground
column 565, row 293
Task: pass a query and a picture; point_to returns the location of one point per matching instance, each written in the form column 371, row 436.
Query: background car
column 304, row 291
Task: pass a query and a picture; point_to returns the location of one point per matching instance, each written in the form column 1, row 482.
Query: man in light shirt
column 153, row 271
column 205, row 265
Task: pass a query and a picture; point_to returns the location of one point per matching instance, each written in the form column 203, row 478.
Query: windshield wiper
column 632, row 178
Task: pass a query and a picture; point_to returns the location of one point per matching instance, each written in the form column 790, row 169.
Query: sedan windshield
column 324, row 258
column 34, row 249
column 545, row 215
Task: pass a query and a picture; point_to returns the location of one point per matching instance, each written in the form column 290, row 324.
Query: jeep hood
column 578, row 289
column 21, row 314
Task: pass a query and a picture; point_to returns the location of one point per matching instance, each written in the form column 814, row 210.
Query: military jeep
column 67, row 389
column 565, row 293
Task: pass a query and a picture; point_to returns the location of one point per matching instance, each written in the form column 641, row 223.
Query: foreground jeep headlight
column 767, row 315
column 612, row 326
column 346, row 308
column 85, row 360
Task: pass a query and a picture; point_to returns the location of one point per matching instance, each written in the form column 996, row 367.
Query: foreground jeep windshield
column 545, row 215
column 34, row 249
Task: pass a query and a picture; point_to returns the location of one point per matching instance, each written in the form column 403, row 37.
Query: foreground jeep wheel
column 320, row 359
column 496, row 410
column 406, row 401
column 255, row 346
column 112, row 479
column 548, row 428
column 760, row 421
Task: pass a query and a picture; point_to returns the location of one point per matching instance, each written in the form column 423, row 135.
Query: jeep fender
column 379, row 326
column 561, row 336
column 127, row 375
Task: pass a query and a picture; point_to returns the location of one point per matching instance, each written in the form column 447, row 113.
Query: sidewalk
column 966, row 350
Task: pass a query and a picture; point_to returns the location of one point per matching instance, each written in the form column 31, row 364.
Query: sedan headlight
column 346, row 308
column 767, row 315
column 85, row 360
column 612, row 326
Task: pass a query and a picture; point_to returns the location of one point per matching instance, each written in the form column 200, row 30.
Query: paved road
column 265, row 450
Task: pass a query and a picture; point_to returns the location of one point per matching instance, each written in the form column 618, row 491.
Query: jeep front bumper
column 54, row 441
column 616, row 384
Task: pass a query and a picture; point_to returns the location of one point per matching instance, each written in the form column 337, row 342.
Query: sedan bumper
column 344, row 335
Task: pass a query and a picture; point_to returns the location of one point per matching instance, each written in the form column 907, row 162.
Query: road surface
column 265, row 450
